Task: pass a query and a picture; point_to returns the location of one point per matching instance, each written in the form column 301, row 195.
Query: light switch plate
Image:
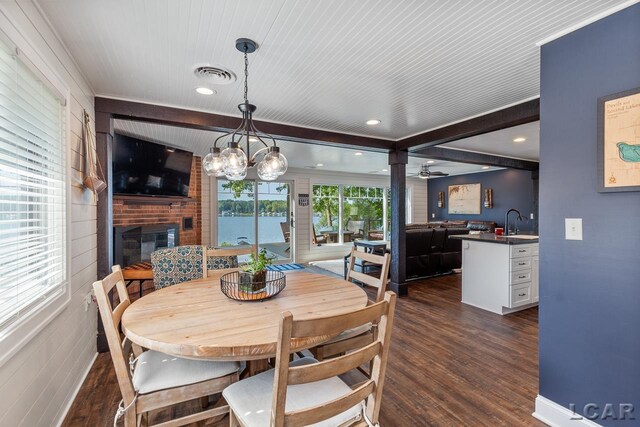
column 573, row 228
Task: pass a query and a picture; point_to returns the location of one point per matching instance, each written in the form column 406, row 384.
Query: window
column 343, row 213
column 33, row 250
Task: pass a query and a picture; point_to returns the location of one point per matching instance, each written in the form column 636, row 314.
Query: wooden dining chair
column 364, row 333
column 217, row 261
column 155, row 380
column 306, row 391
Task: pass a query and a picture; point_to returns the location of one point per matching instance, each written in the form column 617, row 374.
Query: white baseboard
column 73, row 396
column 554, row 415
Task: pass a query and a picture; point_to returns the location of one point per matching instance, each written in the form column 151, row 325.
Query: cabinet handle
column 522, row 263
column 522, row 277
column 522, row 250
column 521, row 295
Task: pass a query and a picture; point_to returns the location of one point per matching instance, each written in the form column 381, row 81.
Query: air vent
column 215, row 75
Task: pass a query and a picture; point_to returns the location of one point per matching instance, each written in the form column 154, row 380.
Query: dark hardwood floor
column 450, row 364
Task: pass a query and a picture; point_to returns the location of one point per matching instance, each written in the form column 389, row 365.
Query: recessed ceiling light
column 430, row 162
column 519, row 139
column 373, row 122
column 485, row 167
column 205, row 91
column 357, row 153
column 320, row 165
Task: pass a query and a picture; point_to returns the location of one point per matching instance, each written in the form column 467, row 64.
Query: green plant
column 258, row 262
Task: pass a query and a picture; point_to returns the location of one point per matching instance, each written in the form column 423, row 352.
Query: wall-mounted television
column 149, row 169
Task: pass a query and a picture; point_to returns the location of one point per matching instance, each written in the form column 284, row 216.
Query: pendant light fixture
column 233, row 161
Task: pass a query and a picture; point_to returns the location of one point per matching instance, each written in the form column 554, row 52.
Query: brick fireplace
column 148, row 217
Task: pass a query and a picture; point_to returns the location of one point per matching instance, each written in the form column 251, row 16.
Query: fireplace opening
column 134, row 244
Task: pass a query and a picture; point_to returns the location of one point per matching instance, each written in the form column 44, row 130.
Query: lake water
column 234, row 228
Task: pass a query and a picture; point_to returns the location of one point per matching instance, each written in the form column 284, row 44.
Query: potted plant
column 255, row 277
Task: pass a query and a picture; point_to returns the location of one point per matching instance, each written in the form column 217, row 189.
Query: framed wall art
column 464, row 199
column 619, row 141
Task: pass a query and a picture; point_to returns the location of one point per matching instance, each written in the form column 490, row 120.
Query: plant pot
column 253, row 282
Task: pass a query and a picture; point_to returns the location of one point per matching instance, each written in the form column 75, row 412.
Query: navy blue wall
column 511, row 189
column 589, row 289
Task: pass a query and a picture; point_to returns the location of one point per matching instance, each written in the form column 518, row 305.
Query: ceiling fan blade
column 438, row 173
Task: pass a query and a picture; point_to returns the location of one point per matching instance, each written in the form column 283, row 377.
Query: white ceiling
column 299, row 155
column 331, row 65
column 501, row 142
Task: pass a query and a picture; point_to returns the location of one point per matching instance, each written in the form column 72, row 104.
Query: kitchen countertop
column 492, row 238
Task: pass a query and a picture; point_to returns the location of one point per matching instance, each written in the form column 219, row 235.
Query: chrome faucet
column 506, row 221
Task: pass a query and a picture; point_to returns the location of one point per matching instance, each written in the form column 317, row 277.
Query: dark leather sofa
column 431, row 252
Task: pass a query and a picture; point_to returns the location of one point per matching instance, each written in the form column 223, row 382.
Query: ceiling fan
column 426, row 173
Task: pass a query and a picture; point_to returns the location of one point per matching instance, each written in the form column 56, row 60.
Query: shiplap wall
column 303, row 180
column 205, row 197
column 39, row 382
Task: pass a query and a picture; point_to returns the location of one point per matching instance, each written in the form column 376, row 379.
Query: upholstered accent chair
column 176, row 265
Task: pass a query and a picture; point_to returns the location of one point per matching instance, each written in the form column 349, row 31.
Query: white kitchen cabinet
column 499, row 275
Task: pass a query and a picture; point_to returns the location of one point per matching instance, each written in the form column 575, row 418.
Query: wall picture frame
column 464, row 199
column 619, row 141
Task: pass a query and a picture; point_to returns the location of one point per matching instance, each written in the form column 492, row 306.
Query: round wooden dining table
column 196, row 320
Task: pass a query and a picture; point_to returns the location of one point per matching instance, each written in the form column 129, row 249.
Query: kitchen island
column 499, row 273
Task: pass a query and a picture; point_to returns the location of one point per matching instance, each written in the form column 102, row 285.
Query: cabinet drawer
column 521, row 276
column 520, row 295
column 520, row 264
column 518, row 251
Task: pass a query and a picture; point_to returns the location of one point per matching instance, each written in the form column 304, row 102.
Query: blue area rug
column 285, row 267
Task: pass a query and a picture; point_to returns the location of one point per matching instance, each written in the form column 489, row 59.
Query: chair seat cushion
column 158, row 371
column 250, row 399
column 350, row 333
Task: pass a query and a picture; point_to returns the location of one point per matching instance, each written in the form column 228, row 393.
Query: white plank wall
column 205, row 197
column 40, row 381
column 303, row 180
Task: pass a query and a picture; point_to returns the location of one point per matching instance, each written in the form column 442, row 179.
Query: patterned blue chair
column 183, row 263
column 176, row 265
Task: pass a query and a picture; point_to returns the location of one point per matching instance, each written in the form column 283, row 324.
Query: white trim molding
column 554, row 415
column 74, row 393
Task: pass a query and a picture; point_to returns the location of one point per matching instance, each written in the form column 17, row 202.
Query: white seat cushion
column 250, row 399
column 158, row 371
column 350, row 333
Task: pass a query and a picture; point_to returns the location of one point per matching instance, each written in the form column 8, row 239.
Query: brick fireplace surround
column 128, row 212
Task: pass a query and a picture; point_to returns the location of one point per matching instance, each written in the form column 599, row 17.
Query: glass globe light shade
column 212, row 163
column 265, row 172
column 234, row 161
column 276, row 160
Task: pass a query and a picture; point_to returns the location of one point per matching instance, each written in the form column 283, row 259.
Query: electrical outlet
column 532, row 216
column 88, row 300
column 433, row 215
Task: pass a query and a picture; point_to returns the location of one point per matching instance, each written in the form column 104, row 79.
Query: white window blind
column 32, row 192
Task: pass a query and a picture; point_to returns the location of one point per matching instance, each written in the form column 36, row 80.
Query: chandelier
column 233, row 161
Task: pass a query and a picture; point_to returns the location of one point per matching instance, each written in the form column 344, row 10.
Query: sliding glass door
column 250, row 208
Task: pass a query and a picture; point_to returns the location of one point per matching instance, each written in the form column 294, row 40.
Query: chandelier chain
column 246, row 73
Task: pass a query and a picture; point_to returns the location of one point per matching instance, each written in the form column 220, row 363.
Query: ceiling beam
column 508, row 117
column 179, row 117
column 450, row 155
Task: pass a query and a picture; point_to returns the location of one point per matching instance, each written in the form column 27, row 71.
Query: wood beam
column 451, row 155
column 172, row 116
column 398, row 165
column 508, row 117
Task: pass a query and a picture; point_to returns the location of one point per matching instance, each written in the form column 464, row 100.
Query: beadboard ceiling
column 299, row 155
column 330, row 65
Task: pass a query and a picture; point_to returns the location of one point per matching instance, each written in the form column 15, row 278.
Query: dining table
column 196, row 320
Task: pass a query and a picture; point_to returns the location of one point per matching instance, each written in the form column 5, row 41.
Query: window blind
column 32, row 192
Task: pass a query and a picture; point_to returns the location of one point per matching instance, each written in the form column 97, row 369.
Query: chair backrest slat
column 222, row 253
column 111, row 321
column 322, row 412
column 333, row 325
column 332, row 367
column 380, row 281
column 380, row 313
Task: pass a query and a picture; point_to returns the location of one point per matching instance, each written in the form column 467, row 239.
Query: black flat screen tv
column 148, row 169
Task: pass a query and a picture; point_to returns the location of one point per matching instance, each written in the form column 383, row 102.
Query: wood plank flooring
column 450, row 365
